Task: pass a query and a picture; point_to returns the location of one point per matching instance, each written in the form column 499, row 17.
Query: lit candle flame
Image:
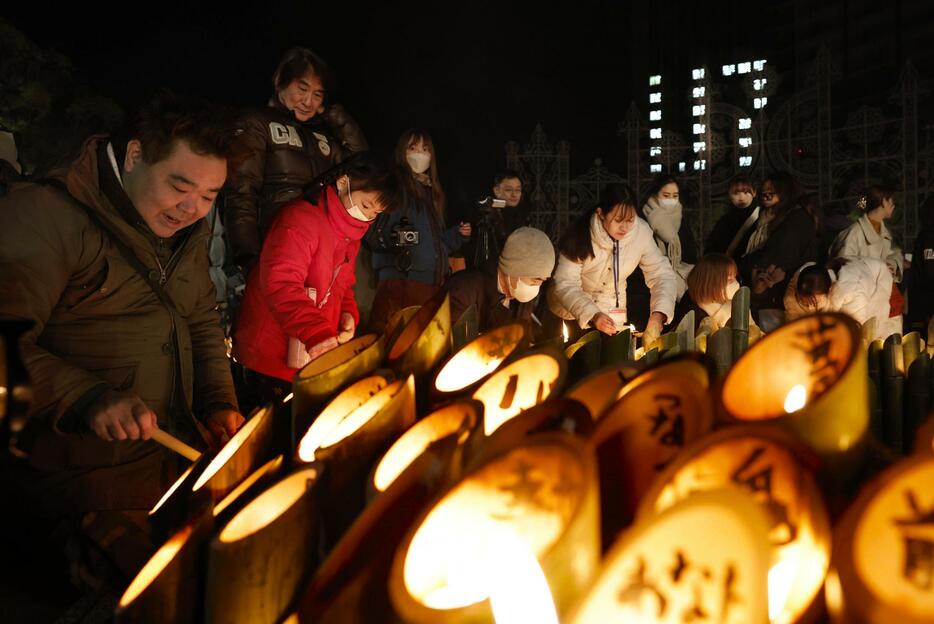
column 565, row 332
column 796, row 398
column 519, row 591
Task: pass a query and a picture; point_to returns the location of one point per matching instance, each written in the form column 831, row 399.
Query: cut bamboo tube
column 171, row 442
column 893, row 393
column 918, row 399
column 739, row 322
column 465, row 329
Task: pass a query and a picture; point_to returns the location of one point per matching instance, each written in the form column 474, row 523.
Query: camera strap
column 616, row 270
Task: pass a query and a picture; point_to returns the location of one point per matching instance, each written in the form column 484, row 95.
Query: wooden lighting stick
column 171, row 442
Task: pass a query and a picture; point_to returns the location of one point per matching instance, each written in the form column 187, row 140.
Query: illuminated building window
column 729, row 70
column 655, row 150
column 655, row 133
column 697, row 74
column 699, row 146
column 698, row 92
column 655, row 80
column 744, row 68
column 760, row 102
column 759, row 83
column 698, row 109
column 745, row 142
column 655, row 115
column 682, row 167
column 745, row 123
column 655, row 98
column 700, row 165
column 745, row 161
column 700, row 128
column 758, row 65
column 655, row 168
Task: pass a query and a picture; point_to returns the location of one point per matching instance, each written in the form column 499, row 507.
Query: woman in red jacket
column 299, row 300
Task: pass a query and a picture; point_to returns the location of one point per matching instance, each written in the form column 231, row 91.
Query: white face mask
column 667, row 202
column 523, row 293
column 354, row 210
column 418, row 161
column 731, row 289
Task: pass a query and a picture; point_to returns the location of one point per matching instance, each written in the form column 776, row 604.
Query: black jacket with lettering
column 285, row 155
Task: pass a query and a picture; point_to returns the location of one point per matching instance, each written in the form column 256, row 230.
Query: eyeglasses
column 768, row 195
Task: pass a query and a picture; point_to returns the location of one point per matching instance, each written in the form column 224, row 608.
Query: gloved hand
column 323, row 347
column 347, row 327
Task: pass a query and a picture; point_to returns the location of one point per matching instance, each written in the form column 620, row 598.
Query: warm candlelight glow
column 796, row 398
column 517, row 387
column 412, row 443
column 639, row 353
column 230, row 448
column 267, row 468
column 519, row 591
column 172, row 489
column 565, row 332
column 155, row 566
column 338, row 356
column 479, row 358
column 332, row 426
column 268, row 506
column 445, row 565
column 336, row 411
column 287, row 398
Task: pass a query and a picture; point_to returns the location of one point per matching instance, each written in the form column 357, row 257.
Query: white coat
column 861, row 239
column 862, row 288
column 583, row 289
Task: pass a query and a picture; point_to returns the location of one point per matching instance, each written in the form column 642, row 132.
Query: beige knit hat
column 527, row 253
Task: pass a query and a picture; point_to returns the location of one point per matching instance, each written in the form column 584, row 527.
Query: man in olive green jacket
column 110, row 359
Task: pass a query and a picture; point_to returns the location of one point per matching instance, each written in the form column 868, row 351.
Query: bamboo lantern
column 425, row 339
column 739, row 321
column 705, row 559
column 522, row 384
column 809, row 376
column 15, row 384
column 618, row 348
column 544, row 491
column 259, row 558
column 912, row 346
column 465, row 328
column 599, row 391
column 765, row 462
column 347, row 444
column 168, row 587
column 584, row 355
column 924, row 437
column 476, row 361
column 350, row 585
column 659, row 412
column 179, row 506
column 883, row 549
column 930, row 337
column 874, row 365
column 397, row 323
column 239, row 456
column 254, row 484
column 918, row 401
column 893, row 393
column 321, row 378
column 720, row 349
column 457, row 419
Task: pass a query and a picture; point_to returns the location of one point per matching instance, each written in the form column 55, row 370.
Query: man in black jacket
column 298, row 136
column 505, row 290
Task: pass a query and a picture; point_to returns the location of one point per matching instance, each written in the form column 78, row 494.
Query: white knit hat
column 527, row 253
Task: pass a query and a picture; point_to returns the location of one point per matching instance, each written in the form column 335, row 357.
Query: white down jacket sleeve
column 569, row 291
column 661, row 280
column 862, row 290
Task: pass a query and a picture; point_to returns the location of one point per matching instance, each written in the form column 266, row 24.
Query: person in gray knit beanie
column 505, row 291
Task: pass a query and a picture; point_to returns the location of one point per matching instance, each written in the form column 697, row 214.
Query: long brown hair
column 707, row 280
column 409, row 184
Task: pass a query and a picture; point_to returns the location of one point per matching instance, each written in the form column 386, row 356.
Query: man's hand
column 346, row 327
column 762, row 280
column 604, row 323
column 120, row 416
column 465, row 229
column 223, row 424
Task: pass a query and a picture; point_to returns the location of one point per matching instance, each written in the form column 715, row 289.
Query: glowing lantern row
column 543, row 493
column 478, row 359
column 522, row 384
column 600, row 390
column 766, row 463
column 810, row 376
column 704, row 559
column 259, row 558
column 457, row 419
column 254, row 481
column 883, row 551
column 424, row 340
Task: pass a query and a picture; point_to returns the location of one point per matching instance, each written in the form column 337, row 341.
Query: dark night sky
column 475, row 74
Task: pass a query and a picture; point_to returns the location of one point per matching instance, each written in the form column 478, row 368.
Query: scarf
column 423, row 178
column 665, row 224
column 761, row 234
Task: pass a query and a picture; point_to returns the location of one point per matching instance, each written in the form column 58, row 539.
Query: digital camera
column 404, row 234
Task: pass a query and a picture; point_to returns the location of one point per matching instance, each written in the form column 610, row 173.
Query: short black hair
column 506, row 174
column 295, row 63
column 576, row 242
column 813, row 280
column 164, row 118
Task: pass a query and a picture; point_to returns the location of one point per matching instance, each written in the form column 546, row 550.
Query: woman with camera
column 299, row 301
column 411, row 245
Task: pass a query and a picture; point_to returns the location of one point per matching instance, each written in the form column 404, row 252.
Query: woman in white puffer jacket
column 858, row 286
column 600, row 250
